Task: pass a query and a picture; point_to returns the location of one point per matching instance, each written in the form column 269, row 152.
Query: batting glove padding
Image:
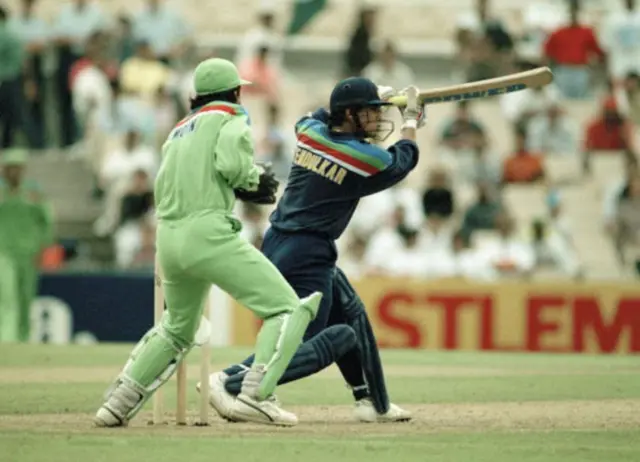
column 266, row 192
column 415, row 113
column 384, row 92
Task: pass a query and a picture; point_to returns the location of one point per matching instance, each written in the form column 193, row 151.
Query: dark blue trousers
column 307, row 261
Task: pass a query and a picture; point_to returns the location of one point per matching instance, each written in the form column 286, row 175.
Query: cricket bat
column 534, row 78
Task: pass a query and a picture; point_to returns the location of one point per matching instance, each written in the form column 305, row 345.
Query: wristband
column 411, row 123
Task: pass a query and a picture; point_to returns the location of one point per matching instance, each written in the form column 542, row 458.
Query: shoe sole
column 270, row 420
column 386, row 421
column 215, row 408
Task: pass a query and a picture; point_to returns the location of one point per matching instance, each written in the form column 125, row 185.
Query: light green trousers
column 194, row 254
column 18, row 286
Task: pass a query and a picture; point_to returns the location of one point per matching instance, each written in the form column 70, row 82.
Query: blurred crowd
column 121, row 84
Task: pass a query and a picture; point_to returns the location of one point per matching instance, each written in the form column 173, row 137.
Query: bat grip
column 399, row 101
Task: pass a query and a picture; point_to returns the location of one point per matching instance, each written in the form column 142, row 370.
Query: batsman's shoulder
column 306, row 123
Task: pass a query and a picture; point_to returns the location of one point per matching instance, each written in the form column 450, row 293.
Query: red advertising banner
column 454, row 315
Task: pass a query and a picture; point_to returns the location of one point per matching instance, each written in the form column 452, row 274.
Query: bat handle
column 400, row 101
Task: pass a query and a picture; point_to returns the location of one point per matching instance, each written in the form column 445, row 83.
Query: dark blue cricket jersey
column 331, row 172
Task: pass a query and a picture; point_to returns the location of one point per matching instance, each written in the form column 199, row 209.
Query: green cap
column 216, row 75
column 15, row 156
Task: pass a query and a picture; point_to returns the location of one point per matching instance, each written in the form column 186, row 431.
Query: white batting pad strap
column 203, row 334
column 278, row 350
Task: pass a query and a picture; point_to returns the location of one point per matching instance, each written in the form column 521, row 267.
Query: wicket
column 181, row 373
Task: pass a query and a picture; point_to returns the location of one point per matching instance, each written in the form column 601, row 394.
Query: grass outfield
column 468, row 407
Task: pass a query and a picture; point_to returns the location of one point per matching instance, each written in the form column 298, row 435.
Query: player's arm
column 401, row 158
column 235, row 154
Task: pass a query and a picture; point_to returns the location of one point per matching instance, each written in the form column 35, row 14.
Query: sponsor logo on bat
column 475, row 94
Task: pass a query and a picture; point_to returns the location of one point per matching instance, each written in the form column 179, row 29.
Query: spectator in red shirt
column 610, row 131
column 523, row 166
column 570, row 50
column 263, row 75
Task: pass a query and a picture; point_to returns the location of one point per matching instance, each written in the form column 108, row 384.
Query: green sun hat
column 216, row 75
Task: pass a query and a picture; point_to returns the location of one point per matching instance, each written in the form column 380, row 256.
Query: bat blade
column 510, row 83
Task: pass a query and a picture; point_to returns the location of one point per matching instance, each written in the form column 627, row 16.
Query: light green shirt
column 206, row 156
column 26, row 225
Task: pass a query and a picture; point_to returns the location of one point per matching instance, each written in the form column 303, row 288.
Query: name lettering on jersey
column 319, row 165
column 183, row 130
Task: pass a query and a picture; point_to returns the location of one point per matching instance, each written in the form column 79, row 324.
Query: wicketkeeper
column 206, row 161
column 335, row 164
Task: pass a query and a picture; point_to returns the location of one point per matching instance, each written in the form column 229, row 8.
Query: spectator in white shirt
column 435, row 237
column 552, row 132
column 615, row 189
column 460, row 260
column 117, row 173
column 388, row 70
column 263, row 34
column 395, row 250
column 135, row 236
column 540, row 18
column 553, row 240
column 508, row 255
column 162, row 28
column 352, row 259
column 378, row 210
column 92, row 97
column 620, row 38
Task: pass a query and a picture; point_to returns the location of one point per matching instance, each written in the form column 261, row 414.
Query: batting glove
column 415, row 112
column 384, row 92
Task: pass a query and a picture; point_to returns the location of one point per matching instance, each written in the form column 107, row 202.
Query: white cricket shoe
column 220, row 399
column 266, row 412
column 365, row 412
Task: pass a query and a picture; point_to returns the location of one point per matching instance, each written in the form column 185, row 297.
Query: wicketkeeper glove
column 415, row 113
column 267, row 188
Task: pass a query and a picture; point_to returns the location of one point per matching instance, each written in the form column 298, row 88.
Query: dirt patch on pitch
column 50, row 375
column 337, row 421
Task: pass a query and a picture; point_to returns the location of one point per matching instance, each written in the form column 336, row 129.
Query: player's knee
column 350, row 303
column 184, row 337
column 340, row 339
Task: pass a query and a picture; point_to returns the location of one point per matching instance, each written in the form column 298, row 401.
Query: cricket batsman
column 208, row 160
column 335, row 164
column 26, row 228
